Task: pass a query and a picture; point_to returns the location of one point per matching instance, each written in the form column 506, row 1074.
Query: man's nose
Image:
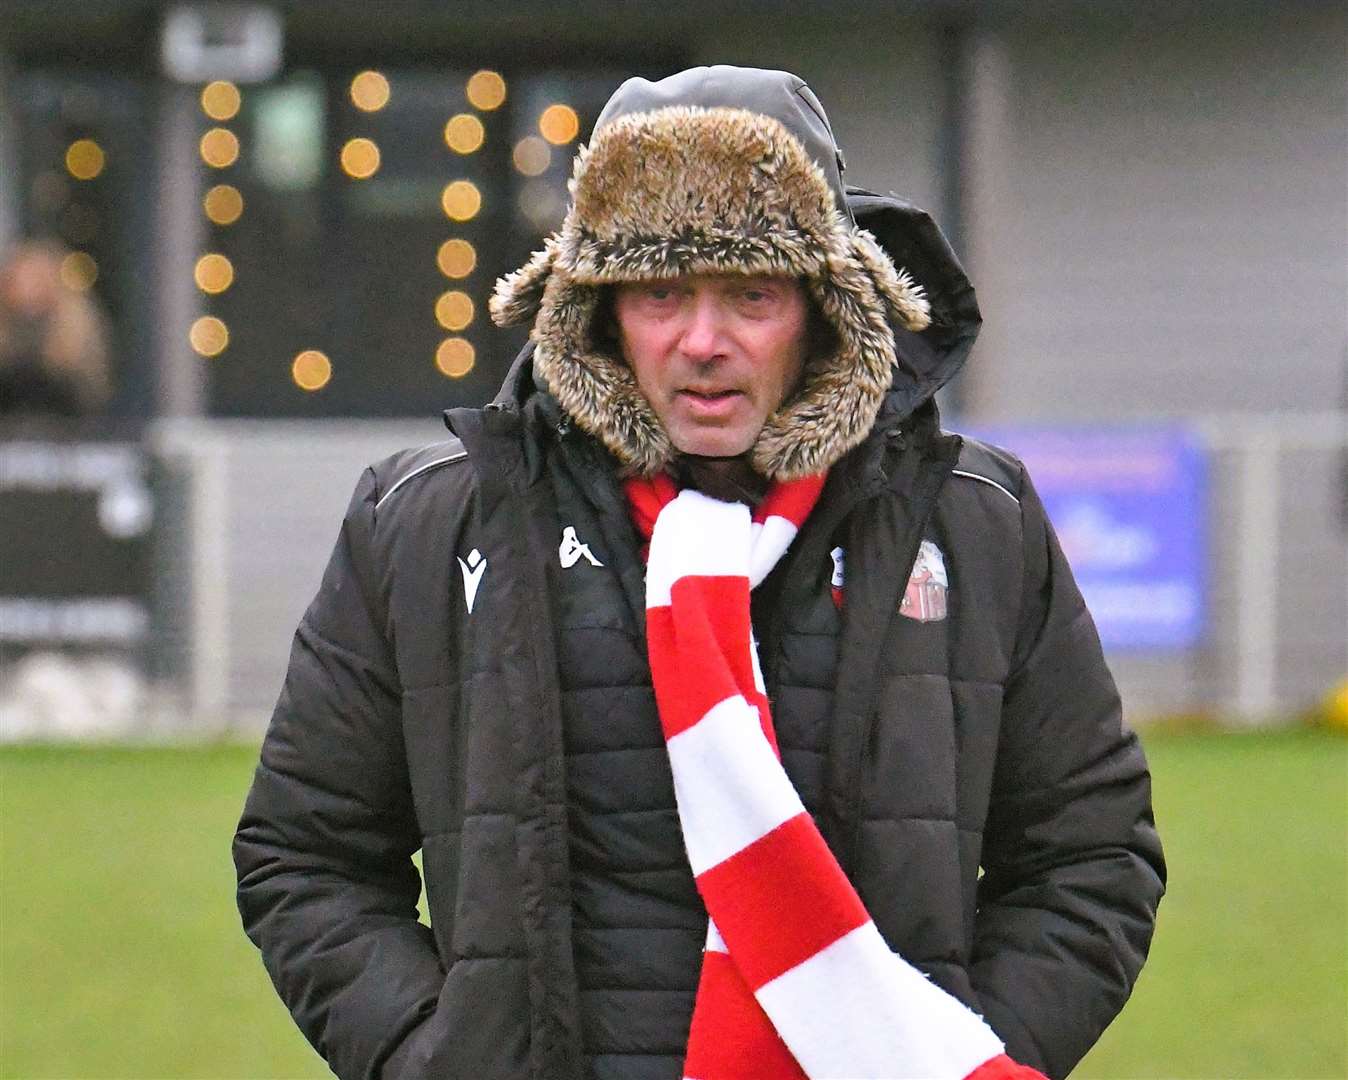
column 702, row 335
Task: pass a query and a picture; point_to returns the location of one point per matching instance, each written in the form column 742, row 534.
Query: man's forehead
column 718, row 279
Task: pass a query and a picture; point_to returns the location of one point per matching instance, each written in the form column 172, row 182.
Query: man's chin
column 712, row 441
column 713, row 449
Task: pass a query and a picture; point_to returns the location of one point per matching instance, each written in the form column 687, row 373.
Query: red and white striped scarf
column 796, row 980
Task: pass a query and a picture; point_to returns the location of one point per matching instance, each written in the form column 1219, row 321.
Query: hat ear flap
column 518, row 296
column 904, row 299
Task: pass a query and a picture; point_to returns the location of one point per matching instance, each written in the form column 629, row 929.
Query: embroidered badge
column 836, row 582
column 925, row 597
column 572, row 550
column 473, row 569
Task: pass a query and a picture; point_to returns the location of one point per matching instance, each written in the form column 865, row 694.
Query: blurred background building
column 281, row 223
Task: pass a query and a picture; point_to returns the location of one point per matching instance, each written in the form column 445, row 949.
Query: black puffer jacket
column 517, row 746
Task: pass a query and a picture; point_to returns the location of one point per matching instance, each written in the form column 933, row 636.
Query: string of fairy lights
column 222, row 205
column 85, row 162
column 359, row 158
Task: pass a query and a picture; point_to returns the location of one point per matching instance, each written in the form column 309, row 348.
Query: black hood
column 929, row 359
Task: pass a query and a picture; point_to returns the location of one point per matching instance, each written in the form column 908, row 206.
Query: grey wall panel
column 9, row 164
column 1169, row 221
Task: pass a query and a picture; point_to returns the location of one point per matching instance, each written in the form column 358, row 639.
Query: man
column 53, row 340
column 909, row 804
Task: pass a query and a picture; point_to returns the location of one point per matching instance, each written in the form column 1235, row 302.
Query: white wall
column 1163, row 223
column 1156, row 219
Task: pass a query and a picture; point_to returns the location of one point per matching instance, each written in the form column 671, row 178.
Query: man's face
column 715, row 355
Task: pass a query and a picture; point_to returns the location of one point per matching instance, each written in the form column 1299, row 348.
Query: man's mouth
column 710, row 403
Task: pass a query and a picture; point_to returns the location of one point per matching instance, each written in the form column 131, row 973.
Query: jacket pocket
column 480, row 1027
column 908, row 876
column 440, row 871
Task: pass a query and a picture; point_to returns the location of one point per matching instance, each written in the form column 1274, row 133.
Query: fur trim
column 518, row 296
column 749, row 200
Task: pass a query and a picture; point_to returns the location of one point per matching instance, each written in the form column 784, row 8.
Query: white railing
column 1261, row 661
column 249, row 511
column 1259, row 446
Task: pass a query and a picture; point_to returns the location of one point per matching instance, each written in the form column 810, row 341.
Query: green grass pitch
column 121, row 953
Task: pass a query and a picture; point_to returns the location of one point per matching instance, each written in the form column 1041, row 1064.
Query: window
column 84, row 161
column 356, row 223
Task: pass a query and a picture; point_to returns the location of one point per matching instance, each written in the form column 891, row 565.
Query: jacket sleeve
column 1073, row 871
column 326, row 885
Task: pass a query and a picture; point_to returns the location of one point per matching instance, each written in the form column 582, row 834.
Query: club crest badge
column 925, row 597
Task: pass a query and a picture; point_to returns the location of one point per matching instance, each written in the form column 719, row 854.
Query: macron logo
column 473, row 570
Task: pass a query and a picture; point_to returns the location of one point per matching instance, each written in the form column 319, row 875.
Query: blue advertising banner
column 1129, row 506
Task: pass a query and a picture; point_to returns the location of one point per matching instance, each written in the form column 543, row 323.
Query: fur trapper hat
column 680, row 177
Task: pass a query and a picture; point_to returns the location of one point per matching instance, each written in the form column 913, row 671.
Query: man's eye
column 756, row 297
